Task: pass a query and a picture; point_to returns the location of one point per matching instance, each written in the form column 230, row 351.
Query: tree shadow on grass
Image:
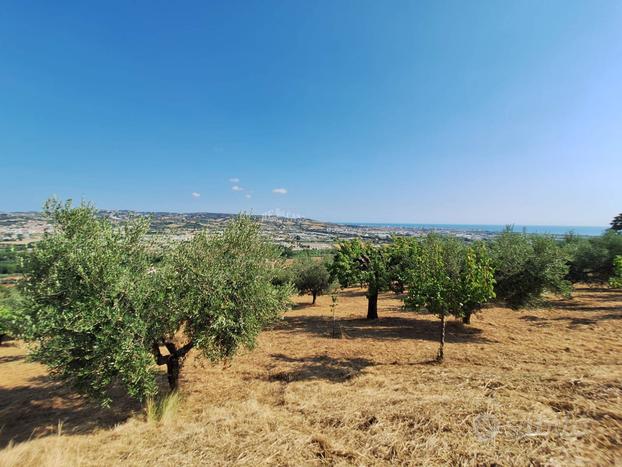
column 11, row 358
column 353, row 292
column 596, row 288
column 601, row 294
column 579, row 306
column 302, row 306
column 320, row 367
column 37, row 410
column 573, row 321
column 387, row 328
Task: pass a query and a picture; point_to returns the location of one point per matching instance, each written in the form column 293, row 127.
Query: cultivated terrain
column 539, row 386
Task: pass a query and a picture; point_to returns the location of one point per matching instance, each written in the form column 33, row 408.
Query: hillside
column 539, row 386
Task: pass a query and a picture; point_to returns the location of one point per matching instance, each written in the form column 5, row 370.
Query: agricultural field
column 537, row 386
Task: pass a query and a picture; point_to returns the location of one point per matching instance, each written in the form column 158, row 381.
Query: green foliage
column 285, row 251
column 89, row 297
column 346, row 266
column 616, row 223
column 448, row 277
column 288, row 252
column 11, row 258
column 282, row 276
column 361, row 263
column 526, row 266
column 616, row 279
column 100, row 306
column 357, row 262
column 221, row 288
column 401, row 256
column 591, row 259
column 11, row 320
column 477, row 280
column 311, row 277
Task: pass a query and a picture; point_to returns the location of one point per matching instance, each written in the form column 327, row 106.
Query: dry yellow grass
column 533, row 387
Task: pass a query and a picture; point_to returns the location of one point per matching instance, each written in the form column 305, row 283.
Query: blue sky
column 439, row 111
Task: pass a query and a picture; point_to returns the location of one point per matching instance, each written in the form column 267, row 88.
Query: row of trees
column 447, row 277
column 524, row 266
column 103, row 305
column 440, row 275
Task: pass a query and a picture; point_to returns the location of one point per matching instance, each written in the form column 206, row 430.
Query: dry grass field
column 539, row 387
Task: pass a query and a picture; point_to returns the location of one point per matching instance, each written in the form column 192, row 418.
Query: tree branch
column 185, row 349
column 171, row 347
column 160, row 359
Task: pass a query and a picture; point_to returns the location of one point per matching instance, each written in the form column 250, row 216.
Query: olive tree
column 102, row 300
column 449, row 278
column 591, row 259
column 311, row 277
column 366, row 264
column 526, row 266
column 221, row 292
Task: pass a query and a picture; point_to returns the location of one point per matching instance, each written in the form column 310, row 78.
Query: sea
column 557, row 230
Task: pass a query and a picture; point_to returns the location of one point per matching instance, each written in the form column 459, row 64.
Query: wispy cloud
column 196, row 195
column 237, row 188
column 248, row 196
column 280, row 191
column 234, row 180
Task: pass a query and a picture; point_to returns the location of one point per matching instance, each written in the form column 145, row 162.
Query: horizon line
column 358, row 222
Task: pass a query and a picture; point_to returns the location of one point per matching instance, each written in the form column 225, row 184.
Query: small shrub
column 311, row 277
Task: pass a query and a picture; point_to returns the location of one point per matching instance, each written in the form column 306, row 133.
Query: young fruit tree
column 102, row 300
column 11, row 318
column 311, row 277
column 356, row 262
column 616, row 279
column 449, row 278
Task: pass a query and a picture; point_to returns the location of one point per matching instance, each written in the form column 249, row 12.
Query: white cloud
column 234, row 180
column 247, row 196
column 280, row 191
column 196, row 195
column 237, row 188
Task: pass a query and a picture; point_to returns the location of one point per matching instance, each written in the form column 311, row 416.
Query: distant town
column 296, row 233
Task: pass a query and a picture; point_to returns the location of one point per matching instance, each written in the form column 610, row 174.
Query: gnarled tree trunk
column 173, row 361
column 466, row 319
